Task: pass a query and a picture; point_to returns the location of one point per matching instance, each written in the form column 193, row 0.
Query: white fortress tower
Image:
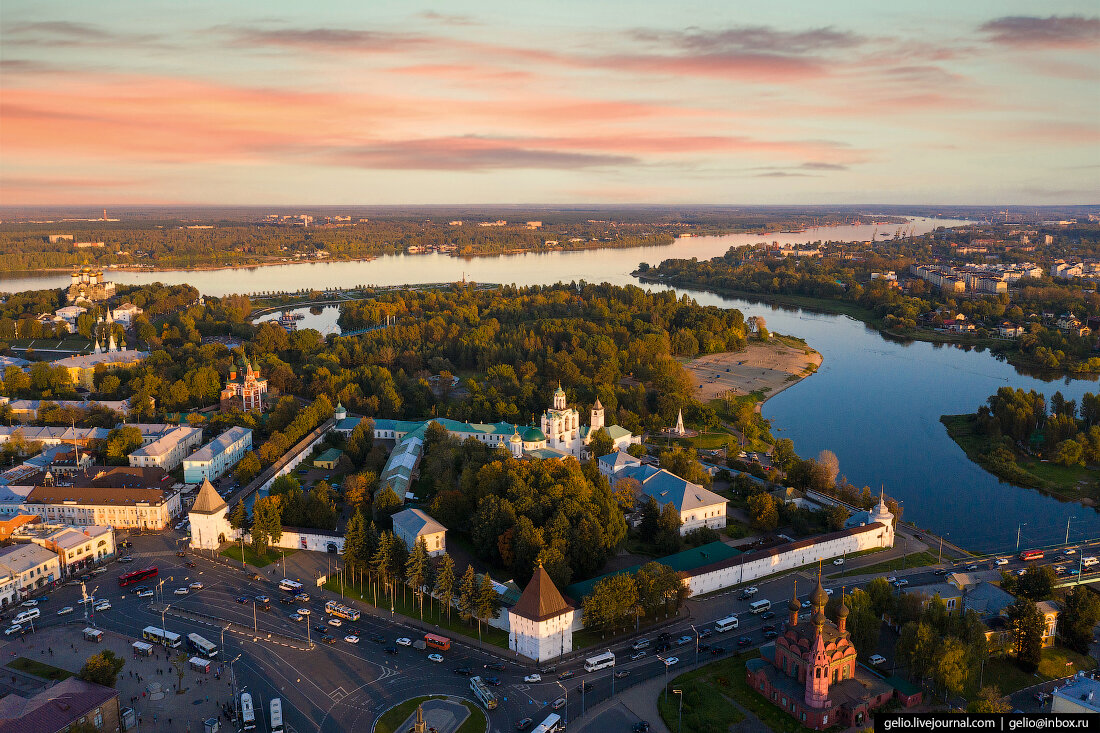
column 882, row 515
column 540, row 621
column 597, row 417
column 209, row 523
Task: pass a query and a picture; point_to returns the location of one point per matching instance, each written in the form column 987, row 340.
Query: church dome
column 515, row 438
column 842, row 612
column 533, row 435
column 819, row 597
column 793, row 605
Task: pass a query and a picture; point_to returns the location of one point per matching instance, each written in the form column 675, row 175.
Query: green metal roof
column 330, row 456
column 533, row 435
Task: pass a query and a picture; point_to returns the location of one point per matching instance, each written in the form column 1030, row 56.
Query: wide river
column 874, row 402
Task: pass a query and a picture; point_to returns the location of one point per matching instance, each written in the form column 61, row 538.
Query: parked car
column 533, row 678
column 877, row 659
column 437, row 658
column 404, row 641
column 524, row 724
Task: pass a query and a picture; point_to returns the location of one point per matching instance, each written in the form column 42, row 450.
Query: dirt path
column 767, row 368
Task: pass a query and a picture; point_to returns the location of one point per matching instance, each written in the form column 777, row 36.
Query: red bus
column 137, row 576
column 1031, row 555
column 437, row 642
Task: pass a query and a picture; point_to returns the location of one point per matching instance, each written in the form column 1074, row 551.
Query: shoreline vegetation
column 761, row 370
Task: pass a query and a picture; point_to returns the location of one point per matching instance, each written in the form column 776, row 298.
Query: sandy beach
column 760, row 367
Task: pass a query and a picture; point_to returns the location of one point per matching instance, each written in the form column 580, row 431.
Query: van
column 760, row 606
column 25, row 616
column 1088, row 562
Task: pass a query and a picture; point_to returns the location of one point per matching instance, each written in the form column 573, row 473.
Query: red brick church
column 245, row 389
column 811, row 671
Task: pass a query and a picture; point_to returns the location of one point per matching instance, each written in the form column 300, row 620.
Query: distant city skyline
column 565, row 102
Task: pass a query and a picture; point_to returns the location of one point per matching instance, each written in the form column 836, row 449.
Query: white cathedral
column 562, row 429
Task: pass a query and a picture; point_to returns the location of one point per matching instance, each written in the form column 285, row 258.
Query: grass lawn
column 705, row 708
column 914, row 560
column 725, row 678
column 250, row 557
column 737, row 530
column 1003, row 672
column 406, row 605
column 396, row 715
column 39, row 669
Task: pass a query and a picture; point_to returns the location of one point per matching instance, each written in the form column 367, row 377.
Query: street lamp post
column 696, row 642
column 1019, row 527
column 1067, row 529
column 224, row 629
column 163, row 611
column 255, row 624
column 665, row 662
column 680, row 714
column 559, row 684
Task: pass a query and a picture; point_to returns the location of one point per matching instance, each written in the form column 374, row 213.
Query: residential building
column 810, row 672
column 1080, row 695
column 412, row 524
column 126, row 313
column 1008, row 329
column 30, row 567
column 70, row 704
column 77, row 548
column 118, row 496
column 244, row 390
column 15, row 361
column 962, row 592
column 11, row 525
column 540, row 623
column 217, row 456
column 52, row 435
column 82, row 367
column 70, row 313
column 60, row 459
column 28, row 410
column 167, row 451
column 697, row 506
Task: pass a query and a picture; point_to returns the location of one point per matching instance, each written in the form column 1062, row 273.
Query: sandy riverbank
column 768, row 368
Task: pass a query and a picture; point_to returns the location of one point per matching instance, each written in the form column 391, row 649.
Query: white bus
column 248, row 714
column 290, row 586
column 600, row 661
column 723, row 625
column 276, row 716
column 552, row 724
column 760, row 606
column 1088, row 562
column 482, row 692
column 160, row 636
column 202, row 646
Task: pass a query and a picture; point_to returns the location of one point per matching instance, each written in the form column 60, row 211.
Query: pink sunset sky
column 554, row 102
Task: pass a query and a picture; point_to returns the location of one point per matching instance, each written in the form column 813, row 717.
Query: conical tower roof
column 541, row 600
column 208, row 501
column 597, row 406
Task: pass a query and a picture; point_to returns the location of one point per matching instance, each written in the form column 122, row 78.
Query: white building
column 1080, row 695
column 540, row 624
column 70, row 313
column 167, row 451
column 217, row 456
column 126, row 313
column 116, row 496
column 209, row 521
column 412, row 524
column 77, row 548
column 562, row 429
column 29, row 567
column 698, row 507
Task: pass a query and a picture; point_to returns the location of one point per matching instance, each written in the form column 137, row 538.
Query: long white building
column 217, row 456
column 167, row 451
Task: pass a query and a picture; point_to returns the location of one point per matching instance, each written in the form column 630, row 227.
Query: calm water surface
column 874, row 402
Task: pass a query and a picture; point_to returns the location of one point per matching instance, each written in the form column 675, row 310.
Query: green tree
column 247, row 468
column 355, row 539
column 763, row 512
column 684, row 464
column 783, row 454
column 651, row 519
column 916, row 648
column 1037, row 582
column 835, row 517
column 1079, row 617
column 445, row 582
column 613, row 602
column 1026, row 626
column 239, row 518
column 863, row 623
column 602, row 444
column 668, row 534
column 386, row 503
column 102, row 668
column 467, row 593
column 417, row 570
column 952, row 670
column 121, row 442
column 487, row 602
column 1069, row 453
column 383, row 559
column 989, row 700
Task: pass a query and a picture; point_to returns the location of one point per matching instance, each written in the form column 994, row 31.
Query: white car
column 297, row 617
column 892, row 579
column 877, row 659
column 102, row 606
column 437, row 658
column 1021, row 572
column 404, row 641
column 145, row 594
column 533, row 678
column 838, row 561
column 65, row 611
column 351, row 639
column 899, row 583
column 29, row 604
column 196, row 586
column 1070, row 551
column 303, row 611
column 335, row 622
column 13, row 629
column 671, row 661
column 752, row 590
column 180, row 591
column 1001, row 561
column 828, row 591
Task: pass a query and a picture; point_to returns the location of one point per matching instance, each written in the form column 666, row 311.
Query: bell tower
column 597, row 417
column 817, row 660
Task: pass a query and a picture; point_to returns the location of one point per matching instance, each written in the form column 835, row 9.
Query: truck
column 420, row 645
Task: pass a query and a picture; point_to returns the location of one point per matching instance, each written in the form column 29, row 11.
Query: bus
column 552, row 724
column 137, row 576
column 202, row 646
column 248, row 714
column 482, row 692
column 441, row 643
column 600, row 661
column 1031, row 555
column 723, row 625
column 276, row 716
column 335, row 608
column 160, row 636
column 290, row 586
column 760, row 606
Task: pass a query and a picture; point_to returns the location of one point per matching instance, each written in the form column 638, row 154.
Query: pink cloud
column 1054, row 31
